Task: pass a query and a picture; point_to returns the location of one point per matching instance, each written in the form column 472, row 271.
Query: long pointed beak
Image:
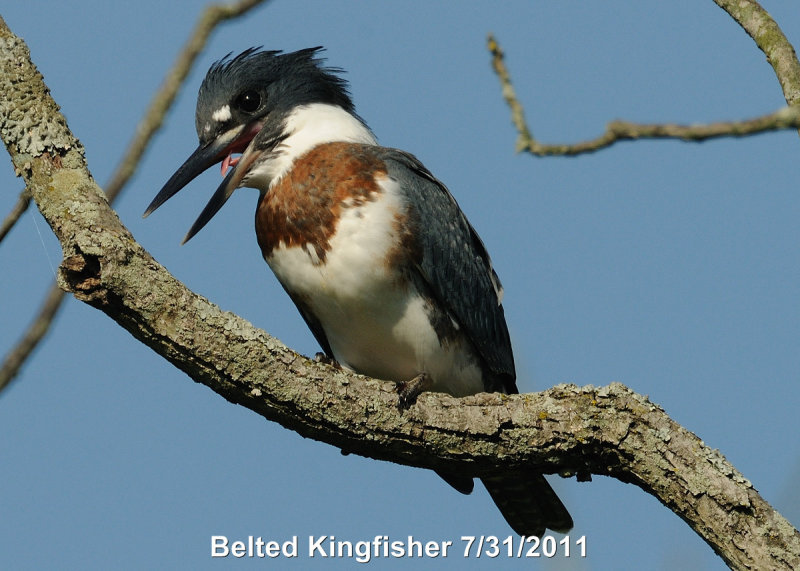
column 231, row 182
column 205, row 156
column 202, row 158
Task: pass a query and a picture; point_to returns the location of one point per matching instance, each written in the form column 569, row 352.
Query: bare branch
column 754, row 20
column 609, row 430
column 770, row 39
column 30, row 340
column 152, row 121
column 785, row 118
column 19, row 209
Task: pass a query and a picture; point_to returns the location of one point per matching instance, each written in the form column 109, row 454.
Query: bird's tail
column 528, row 503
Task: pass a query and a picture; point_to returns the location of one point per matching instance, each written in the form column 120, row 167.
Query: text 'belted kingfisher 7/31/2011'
column 374, row 251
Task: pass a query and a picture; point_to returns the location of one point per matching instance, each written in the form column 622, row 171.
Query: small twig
column 19, row 208
column 517, row 112
column 149, row 125
column 35, row 332
column 785, row 118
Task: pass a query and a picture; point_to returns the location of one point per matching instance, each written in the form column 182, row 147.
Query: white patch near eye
column 222, row 114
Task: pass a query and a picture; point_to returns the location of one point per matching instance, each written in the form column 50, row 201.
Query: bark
column 568, row 429
column 770, row 39
column 211, row 17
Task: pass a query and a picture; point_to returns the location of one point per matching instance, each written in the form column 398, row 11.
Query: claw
column 321, row 357
column 408, row 391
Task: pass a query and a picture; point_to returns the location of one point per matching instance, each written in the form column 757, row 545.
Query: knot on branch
column 81, row 276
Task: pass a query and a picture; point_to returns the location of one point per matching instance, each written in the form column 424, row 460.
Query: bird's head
column 244, row 106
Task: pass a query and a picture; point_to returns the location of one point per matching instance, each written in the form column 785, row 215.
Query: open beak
column 231, row 182
column 205, row 156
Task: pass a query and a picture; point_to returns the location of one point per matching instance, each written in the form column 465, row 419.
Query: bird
column 375, row 252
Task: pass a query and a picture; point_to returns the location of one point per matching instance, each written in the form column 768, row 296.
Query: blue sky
column 669, row 267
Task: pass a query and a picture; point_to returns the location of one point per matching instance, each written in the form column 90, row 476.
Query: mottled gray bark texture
column 212, row 16
column 770, row 39
column 567, row 429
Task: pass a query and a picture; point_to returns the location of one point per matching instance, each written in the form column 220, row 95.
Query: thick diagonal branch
column 212, row 16
column 610, row 430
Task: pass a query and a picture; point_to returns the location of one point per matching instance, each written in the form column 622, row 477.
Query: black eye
column 248, row 101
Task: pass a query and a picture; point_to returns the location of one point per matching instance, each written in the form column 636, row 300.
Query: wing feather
column 455, row 264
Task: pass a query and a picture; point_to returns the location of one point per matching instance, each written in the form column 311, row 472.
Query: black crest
column 280, row 81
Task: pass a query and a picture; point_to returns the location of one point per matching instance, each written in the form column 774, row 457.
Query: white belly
column 376, row 323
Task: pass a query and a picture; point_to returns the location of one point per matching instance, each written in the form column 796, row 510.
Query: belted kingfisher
column 374, row 251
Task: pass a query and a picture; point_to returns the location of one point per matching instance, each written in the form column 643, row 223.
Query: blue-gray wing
column 455, row 266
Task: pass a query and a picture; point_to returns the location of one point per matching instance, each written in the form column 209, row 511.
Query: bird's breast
column 306, row 206
column 339, row 235
column 345, row 252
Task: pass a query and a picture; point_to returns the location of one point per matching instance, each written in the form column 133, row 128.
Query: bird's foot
column 321, row 357
column 408, row 391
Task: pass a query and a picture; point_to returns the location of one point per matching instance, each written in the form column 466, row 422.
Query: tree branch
column 567, row 429
column 754, row 20
column 19, row 209
column 771, row 40
column 152, row 121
